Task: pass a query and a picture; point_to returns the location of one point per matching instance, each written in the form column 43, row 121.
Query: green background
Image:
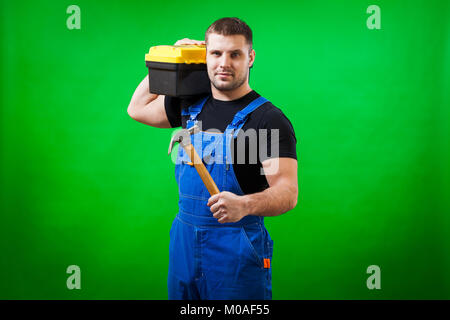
column 84, row 184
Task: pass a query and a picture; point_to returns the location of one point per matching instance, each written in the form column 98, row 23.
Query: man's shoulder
column 267, row 107
column 268, row 113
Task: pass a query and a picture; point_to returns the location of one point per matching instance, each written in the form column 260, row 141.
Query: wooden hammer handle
column 201, row 169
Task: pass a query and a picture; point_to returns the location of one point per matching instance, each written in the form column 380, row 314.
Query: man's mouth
column 224, row 74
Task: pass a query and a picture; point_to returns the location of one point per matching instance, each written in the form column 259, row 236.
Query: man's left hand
column 227, row 207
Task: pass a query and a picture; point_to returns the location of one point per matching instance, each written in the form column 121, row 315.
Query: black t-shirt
column 217, row 114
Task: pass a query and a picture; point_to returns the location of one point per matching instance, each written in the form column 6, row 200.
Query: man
column 219, row 247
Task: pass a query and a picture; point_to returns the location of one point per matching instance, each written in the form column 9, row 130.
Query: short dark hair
column 229, row 27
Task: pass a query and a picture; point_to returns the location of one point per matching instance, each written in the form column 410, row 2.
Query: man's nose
column 224, row 61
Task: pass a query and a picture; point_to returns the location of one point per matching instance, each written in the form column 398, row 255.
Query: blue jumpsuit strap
column 241, row 116
column 193, row 112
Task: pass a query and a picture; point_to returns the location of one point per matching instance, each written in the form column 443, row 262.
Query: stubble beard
column 230, row 85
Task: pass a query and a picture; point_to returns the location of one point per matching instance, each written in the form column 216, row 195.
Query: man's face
column 228, row 60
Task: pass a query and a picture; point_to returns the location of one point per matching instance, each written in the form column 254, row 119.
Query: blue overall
column 209, row 260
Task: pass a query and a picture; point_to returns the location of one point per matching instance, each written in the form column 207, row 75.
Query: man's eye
column 216, row 53
column 234, row 55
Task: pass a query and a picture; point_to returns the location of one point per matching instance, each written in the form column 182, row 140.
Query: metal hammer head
column 183, row 136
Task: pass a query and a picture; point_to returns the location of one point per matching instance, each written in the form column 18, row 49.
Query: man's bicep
column 153, row 114
column 280, row 140
column 280, row 170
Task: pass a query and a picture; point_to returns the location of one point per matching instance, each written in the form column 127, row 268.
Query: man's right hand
column 189, row 41
column 149, row 108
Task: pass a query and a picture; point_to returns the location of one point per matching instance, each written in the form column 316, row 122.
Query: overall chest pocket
column 189, row 181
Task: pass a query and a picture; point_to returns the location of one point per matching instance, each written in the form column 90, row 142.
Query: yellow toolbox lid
column 177, row 54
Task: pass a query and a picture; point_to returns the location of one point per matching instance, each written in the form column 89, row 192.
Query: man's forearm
column 273, row 201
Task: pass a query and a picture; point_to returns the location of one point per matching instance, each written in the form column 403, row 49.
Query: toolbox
column 178, row 70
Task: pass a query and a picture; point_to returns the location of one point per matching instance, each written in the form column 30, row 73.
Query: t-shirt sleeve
column 173, row 111
column 276, row 122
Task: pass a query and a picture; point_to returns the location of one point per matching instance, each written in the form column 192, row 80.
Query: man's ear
column 252, row 58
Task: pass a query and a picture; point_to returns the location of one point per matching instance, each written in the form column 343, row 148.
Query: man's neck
column 232, row 94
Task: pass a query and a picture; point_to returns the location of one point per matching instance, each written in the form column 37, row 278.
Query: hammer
column 183, row 137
